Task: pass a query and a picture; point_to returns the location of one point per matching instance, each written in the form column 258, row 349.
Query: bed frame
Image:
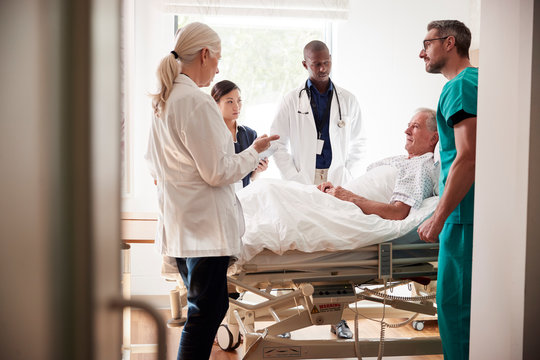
column 314, row 294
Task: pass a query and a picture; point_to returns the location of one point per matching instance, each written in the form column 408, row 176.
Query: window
column 263, row 57
column 261, row 54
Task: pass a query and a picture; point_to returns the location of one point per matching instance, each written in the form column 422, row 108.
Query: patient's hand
column 342, row 194
column 325, row 186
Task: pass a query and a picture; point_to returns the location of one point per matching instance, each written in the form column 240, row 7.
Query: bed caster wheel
column 418, row 325
column 226, row 339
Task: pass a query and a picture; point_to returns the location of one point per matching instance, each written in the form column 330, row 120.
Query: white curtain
column 313, row 9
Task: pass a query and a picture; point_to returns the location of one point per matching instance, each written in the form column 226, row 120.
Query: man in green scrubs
column 446, row 51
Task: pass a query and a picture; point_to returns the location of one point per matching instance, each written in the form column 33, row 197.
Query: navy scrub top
column 244, row 138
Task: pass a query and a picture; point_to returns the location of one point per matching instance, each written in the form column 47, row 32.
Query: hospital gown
column 415, row 177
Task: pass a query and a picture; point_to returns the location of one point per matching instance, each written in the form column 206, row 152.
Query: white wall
column 153, row 33
column 376, row 57
column 504, row 142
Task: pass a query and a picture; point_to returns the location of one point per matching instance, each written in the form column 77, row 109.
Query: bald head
column 314, row 46
column 318, row 62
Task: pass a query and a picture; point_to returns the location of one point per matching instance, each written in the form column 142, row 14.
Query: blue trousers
column 206, row 281
column 454, row 289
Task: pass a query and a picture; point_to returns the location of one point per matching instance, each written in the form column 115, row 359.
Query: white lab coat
column 191, row 155
column 297, row 146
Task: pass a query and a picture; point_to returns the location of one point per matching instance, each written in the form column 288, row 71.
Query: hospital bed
column 322, row 288
column 283, row 275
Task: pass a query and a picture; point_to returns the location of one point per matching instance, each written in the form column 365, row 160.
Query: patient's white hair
column 431, row 120
column 190, row 40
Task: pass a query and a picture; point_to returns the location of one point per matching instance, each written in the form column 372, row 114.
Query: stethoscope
column 340, row 123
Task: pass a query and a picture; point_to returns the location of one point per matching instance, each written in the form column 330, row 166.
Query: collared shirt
column 319, row 106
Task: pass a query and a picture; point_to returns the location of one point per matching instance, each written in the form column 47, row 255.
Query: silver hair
column 190, row 40
column 431, row 119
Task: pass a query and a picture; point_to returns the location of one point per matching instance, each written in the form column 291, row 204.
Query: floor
column 143, row 331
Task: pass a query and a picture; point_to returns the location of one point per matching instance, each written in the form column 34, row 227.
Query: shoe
column 286, row 335
column 341, row 330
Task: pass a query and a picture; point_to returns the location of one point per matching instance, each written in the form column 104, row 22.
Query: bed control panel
column 329, row 301
column 333, row 290
column 385, row 261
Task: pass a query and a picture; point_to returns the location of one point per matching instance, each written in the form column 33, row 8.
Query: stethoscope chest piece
column 341, row 123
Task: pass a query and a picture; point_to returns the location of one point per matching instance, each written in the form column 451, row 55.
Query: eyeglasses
column 428, row 41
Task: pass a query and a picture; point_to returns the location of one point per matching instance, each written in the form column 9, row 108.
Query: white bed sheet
column 267, row 257
column 282, row 215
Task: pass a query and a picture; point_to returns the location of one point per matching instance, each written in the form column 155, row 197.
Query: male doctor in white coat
column 319, row 125
column 320, row 132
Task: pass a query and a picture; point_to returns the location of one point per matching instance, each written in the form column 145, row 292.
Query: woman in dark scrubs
column 227, row 96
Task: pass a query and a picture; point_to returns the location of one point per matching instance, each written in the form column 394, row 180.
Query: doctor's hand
column 429, row 231
column 263, row 142
column 325, row 186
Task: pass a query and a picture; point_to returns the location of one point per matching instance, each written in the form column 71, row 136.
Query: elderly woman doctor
column 191, row 155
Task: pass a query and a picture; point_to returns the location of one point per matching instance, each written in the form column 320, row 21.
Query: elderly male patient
column 416, row 172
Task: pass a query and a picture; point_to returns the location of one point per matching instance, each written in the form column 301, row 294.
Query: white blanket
column 283, row 215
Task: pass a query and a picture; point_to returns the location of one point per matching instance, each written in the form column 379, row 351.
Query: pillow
column 437, row 159
column 436, row 154
column 377, row 184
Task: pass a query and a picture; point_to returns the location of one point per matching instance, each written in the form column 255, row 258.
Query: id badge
column 320, row 144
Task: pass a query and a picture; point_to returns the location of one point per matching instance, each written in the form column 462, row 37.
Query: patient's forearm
column 394, row 211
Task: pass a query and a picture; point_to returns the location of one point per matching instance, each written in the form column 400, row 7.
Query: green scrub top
column 458, row 101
